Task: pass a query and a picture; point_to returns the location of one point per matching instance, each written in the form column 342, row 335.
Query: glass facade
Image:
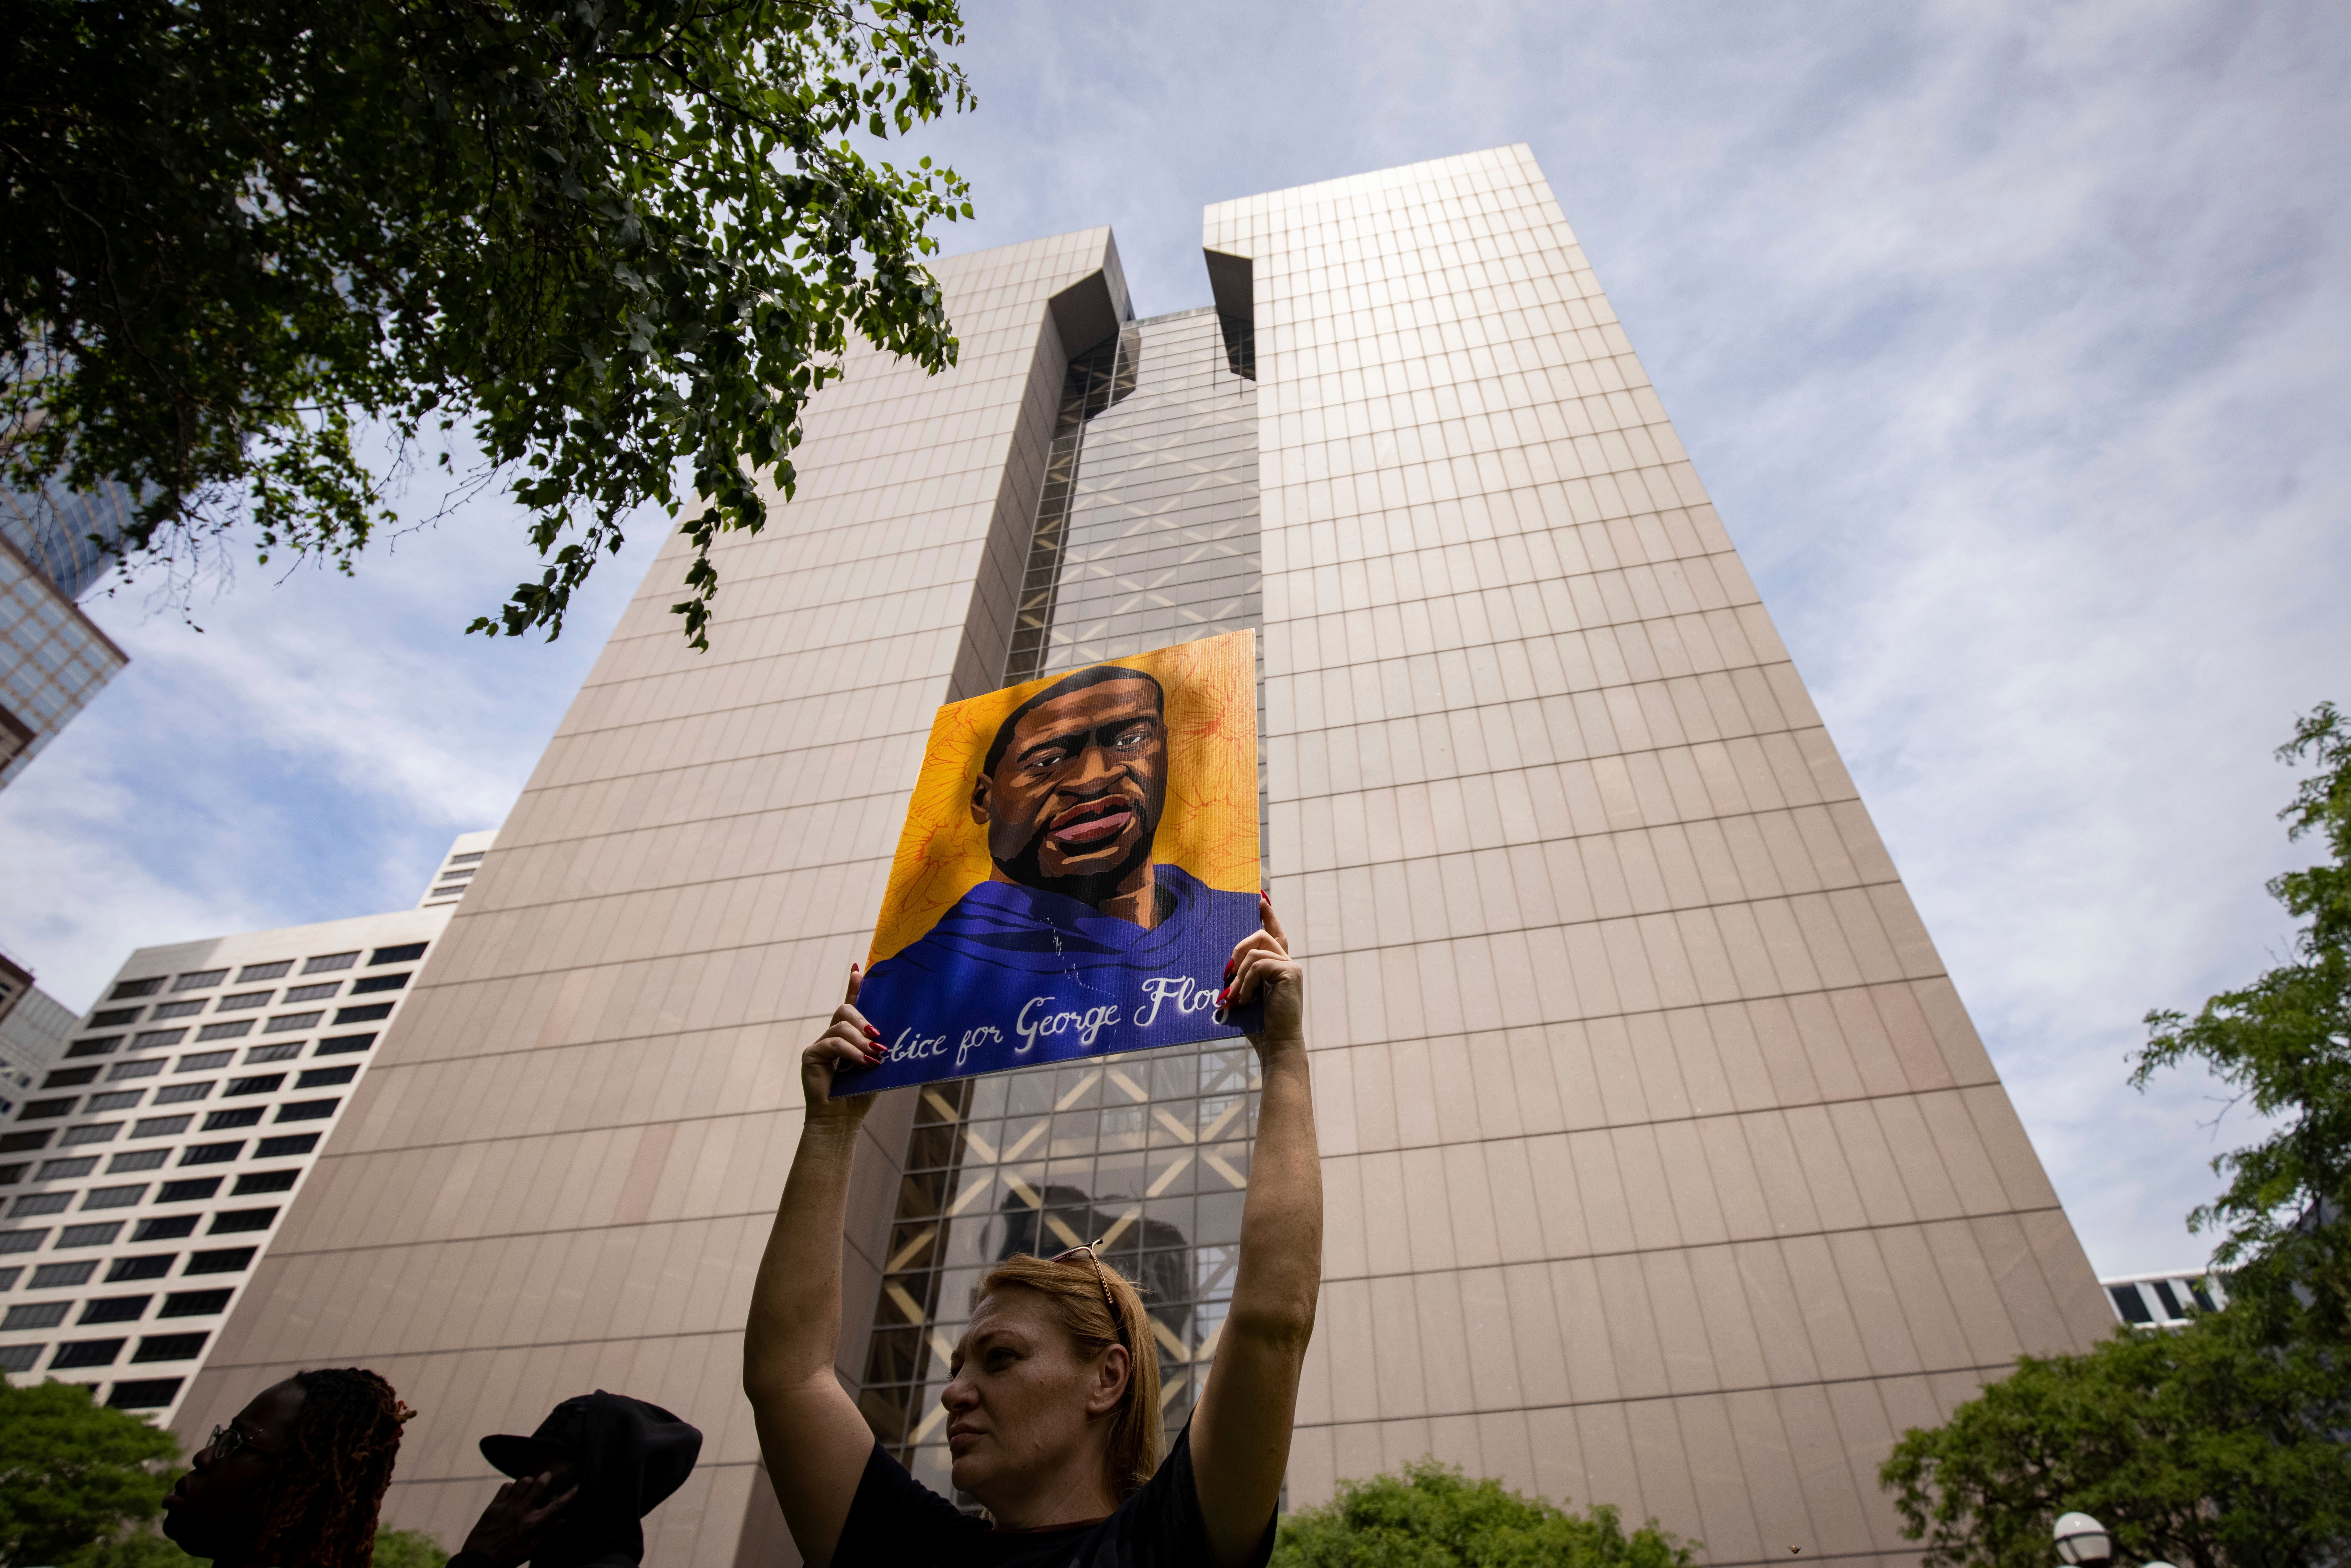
column 1147, row 535
column 64, row 533
column 52, row 660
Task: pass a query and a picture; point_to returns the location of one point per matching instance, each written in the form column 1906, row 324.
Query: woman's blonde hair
column 1075, row 1291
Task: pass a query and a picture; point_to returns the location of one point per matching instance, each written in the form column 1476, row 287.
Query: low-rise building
column 144, row 1174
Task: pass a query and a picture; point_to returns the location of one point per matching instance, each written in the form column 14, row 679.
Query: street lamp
column 2083, row 1541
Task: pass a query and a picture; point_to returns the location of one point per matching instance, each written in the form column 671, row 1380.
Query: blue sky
column 2011, row 339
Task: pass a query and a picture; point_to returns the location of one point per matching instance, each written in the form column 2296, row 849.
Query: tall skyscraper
column 33, row 1030
column 53, row 658
column 1663, row 1167
column 145, row 1171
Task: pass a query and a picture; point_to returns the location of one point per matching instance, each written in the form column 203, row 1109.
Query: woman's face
column 1024, row 1406
column 217, row 1508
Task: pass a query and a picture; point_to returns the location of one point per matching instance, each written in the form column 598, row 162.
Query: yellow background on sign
column 1210, row 824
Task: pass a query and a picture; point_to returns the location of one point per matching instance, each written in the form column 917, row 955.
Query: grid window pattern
column 52, row 660
column 1145, row 535
column 1147, row 1153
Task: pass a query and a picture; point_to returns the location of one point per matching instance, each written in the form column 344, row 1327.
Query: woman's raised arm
column 810, row 1434
column 1241, row 1429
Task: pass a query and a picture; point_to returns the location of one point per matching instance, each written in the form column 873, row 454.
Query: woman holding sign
column 1053, row 1414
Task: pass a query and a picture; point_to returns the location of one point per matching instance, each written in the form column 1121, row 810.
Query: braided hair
column 339, row 1462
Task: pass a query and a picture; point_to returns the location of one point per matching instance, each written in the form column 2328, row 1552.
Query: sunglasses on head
column 1086, row 1249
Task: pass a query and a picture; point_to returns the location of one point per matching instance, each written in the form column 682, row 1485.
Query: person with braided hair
column 296, row 1478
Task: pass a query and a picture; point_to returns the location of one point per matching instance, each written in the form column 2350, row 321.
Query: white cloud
column 2011, row 339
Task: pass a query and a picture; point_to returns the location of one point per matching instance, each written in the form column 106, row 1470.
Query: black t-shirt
column 896, row 1521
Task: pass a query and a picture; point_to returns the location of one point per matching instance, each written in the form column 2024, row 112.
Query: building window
column 284, row 1023
column 313, row 993
column 41, row 1110
column 406, row 954
column 188, row 1191
column 86, row 1353
column 307, row 1110
column 158, row 1039
column 368, row 1014
column 166, row 1228
column 37, row 1315
column 226, row 1260
column 88, row 1235
column 467, row 859
column 153, row 1268
column 70, row 1078
column 115, row 1196
column 244, row 999
column 126, row 989
column 342, row 1042
column 126, row 1072
column 116, row 1310
column 210, row 1153
column 176, row 1010
column 94, row 1133
column 261, row 1084
column 170, row 1347
column 144, row 1393
column 67, row 1170
column 283, row 1144
column 366, row 983
column 119, row 1100
column 198, row 980
column 137, row 1160
column 236, row 1031
column 52, row 1275
column 2130, row 1304
column 40, row 1203
column 278, row 1052
column 181, row 1094
column 194, row 1304
column 237, row 1220
column 324, row 1077
column 264, row 1181
column 113, row 1017
column 236, row 1116
column 253, row 972
column 20, row 1143
column 161, row 1126
column 9, row 1176
column 20, row 1357
column 102, row 1045
column 327, row 964
column 203, row 1060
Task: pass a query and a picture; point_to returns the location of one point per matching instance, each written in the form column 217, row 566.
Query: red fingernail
column 871, row 1032
column 1223, row 995
column 1230, row 963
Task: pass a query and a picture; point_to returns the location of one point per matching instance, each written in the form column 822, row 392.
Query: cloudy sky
column 2010, row 338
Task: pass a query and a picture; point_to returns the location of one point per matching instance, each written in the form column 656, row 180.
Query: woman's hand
column 1261, row 967
column 848, row 1045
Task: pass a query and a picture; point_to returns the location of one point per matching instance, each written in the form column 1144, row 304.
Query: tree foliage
column 2201, row 1446
column 2218, row 1444
column 1431, row 1516
column 73, row 1473
column 139, row 1547
column 2284, row 1043
column 604, row 237
column 408, row 1549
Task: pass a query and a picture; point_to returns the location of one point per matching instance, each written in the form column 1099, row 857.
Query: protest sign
column 1079, row 858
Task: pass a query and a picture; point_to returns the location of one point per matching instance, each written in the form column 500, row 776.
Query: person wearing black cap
column 583, row 1484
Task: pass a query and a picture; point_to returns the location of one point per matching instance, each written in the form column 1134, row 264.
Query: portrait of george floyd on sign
column 1080, row 856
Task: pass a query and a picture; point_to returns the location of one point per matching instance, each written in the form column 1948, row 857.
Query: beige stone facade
column 1664, row 1166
